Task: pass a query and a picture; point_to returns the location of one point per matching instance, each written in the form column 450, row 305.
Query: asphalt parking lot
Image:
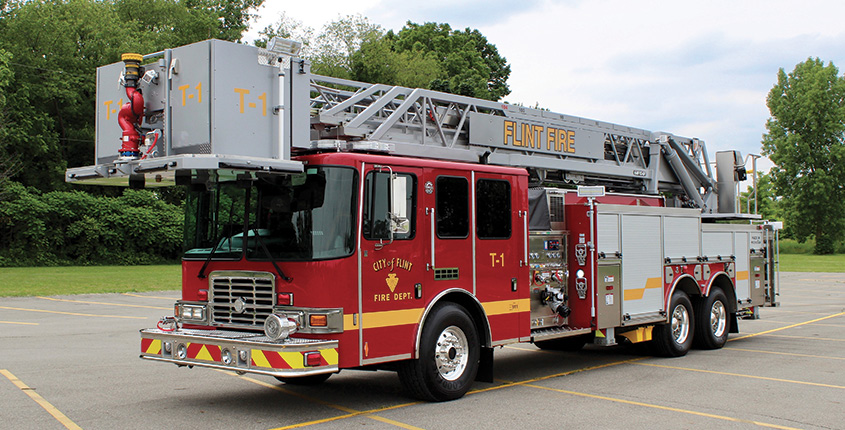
column 72, row 362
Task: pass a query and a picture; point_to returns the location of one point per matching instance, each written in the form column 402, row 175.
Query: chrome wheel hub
column 718, row 319
column 680, row 324
column 451, row 353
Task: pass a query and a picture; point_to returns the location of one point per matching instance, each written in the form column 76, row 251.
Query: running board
column 557, row 332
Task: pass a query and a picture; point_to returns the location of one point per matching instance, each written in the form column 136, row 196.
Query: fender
column 488, row 338
column 713, row 279
column 668, row 297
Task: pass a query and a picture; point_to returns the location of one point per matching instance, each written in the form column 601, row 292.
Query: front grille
column 241, row 298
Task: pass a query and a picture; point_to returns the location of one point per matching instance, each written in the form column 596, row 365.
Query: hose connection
column 132, row 112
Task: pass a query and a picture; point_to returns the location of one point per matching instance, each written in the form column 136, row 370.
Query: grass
column 51, row 281
column 812, row 263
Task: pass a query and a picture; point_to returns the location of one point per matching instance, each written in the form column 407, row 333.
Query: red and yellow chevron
column 151, row 346
column 201, row 351
column 290, row 360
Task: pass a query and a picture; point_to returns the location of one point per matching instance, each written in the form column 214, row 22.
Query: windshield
column 307, row 216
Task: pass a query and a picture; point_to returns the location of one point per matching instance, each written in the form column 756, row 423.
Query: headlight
column 277, row 327
column 192, row 312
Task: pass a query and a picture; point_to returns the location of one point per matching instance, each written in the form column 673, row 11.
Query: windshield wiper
column 270, row 256
column 201, row 274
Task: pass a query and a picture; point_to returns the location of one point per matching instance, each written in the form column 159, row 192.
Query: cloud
column 699, row 69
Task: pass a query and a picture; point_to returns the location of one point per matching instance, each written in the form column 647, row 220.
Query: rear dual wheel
column 674, row 339
column 712, row 321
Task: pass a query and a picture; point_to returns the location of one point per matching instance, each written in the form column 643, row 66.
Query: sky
column 692, row 68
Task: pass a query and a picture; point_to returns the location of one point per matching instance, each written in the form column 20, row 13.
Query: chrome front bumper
column 242, row 352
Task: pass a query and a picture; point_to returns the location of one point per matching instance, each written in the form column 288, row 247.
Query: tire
column 305, row 380
column 712, row 322
column 674, row 339
column 448, row 360
column 568, row 344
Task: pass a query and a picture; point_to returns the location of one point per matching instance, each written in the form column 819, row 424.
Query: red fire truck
column 333, row 224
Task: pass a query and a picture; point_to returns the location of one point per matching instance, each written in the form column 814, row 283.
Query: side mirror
column 399, row 222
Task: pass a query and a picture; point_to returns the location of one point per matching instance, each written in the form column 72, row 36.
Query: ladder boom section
column 554, row 147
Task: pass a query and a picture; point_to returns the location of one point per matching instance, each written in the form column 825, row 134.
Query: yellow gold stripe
column 506, row 307
column 294, row 359
column 155, row 347
column 60, row 417
column 203, row 353
column 348, row 320
column 391, row 318
column 742, row 276
column 18, row 323
column 330, row 355
column 638, row 293
column 259, row 358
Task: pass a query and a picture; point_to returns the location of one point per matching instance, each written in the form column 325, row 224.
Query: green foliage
column 455, row 61
column 56, row 46
column 805, row 141
column 60, row 228
column 331, row 50
column 792, row 246
column 767, row 204
column 427, row 55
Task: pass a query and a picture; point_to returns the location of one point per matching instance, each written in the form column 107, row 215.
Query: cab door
column 447, row 206
column 393, row 262
column 500, row 254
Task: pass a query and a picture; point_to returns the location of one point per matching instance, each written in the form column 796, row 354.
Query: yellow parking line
column 150, row 297
column 15, row 322
column 788, row 327
column 392, row 422
column 826, row 339
column 60, row 417
column 830, row 325
column 805, row 312
column 556, row 375
column 349, row 412
column 665, row 408
column 72, row 313
column 102, row 303
column 787, row 353
column 765, row 378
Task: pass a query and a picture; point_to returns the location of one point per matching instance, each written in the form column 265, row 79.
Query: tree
column 57, row 46
column 331, row 50
column 805, row 140
column 767, row 205
column 469, row 65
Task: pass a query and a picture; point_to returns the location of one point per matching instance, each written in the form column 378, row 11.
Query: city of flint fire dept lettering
column 392, row 280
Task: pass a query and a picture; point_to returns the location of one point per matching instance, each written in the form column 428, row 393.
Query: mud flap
column 485, row 366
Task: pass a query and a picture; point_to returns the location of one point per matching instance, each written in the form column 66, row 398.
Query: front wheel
column 674, row 339
column 448, row 358
column 712, row 323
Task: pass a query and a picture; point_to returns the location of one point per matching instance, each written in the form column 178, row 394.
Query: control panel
column 549, row 277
